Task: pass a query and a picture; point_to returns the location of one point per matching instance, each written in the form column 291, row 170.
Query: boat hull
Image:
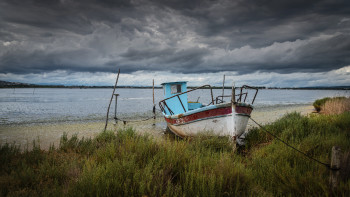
column 221, row 120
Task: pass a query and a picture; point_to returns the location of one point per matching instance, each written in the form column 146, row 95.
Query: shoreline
column 47, row 134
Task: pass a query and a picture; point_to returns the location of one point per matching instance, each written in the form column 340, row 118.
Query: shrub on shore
column 319, row 102
column 333, row 104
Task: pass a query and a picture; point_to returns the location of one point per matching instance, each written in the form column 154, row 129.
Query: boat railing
column 242, row 96
column 163, row 104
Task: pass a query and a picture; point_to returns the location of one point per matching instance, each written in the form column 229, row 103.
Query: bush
column 318, row 103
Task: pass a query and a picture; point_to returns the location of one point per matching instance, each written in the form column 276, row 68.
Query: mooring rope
column 318, row 161
column 134, row 120
column 125, row 121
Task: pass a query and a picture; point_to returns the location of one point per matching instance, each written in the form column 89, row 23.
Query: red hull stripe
column 243, row 110
column 200, row 115
column 208, row 114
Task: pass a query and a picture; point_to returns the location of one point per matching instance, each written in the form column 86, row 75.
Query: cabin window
column 176, row 89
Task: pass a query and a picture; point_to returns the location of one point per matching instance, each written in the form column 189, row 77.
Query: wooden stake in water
column 109, row 106
column 115, row 108
column 154, row 106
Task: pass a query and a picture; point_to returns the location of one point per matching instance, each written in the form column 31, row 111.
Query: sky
column 274, row 43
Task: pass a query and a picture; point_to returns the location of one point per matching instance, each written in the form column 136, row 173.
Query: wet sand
column 48, row 134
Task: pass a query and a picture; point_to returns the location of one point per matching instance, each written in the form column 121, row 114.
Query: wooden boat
column 217, row 118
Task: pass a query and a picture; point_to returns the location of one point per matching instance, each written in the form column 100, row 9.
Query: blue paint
column 175, row 88
column 192, row 106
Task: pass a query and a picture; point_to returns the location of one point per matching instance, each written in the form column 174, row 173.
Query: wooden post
column 233, row 96
column 115, row 108
column 223, row 89
column 334, row 178
column 109, row 106
column 154, row 106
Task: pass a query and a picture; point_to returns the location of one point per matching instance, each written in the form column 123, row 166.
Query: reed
column 336, row 106
column 124, row 163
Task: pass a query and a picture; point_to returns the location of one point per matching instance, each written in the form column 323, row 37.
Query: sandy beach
column 48, row 134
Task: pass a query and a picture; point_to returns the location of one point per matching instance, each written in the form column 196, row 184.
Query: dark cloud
column 179, row 36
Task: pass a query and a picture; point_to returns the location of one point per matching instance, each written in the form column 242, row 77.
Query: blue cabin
column 178, row 104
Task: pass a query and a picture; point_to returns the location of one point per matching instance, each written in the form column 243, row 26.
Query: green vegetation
column 127, row 164
column 318, row 104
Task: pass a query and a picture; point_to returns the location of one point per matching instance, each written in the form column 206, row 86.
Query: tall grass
column 280, row 170
column 336, row 106
column 124, row 163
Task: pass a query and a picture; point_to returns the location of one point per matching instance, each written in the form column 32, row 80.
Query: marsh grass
column 124, row 163
column 336, row 106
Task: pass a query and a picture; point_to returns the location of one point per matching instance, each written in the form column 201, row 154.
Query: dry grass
column 336, row 106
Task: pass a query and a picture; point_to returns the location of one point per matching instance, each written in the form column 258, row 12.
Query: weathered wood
column 233, row 96
column 109, row 106
column 115, row 108
column 154, row 105
column 154, row 108
column 223, row 89
column 334, row 178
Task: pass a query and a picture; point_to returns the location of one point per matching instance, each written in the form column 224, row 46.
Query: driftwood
column 109, row 106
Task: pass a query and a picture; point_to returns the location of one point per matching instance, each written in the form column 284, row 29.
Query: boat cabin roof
column 175, row 82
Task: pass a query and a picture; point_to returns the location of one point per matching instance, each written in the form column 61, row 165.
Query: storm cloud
column 188, row 37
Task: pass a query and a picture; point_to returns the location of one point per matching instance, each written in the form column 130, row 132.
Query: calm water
column 44, row 105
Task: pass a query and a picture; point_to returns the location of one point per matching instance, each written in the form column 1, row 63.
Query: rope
column 153, row 117
column 318, row 161
column 133, row 120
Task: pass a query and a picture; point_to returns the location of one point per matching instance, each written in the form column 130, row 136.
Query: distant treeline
column 6, row 84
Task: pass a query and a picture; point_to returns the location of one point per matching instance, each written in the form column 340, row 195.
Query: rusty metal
column 250, row 87
column 161, row 107
column 222, row 98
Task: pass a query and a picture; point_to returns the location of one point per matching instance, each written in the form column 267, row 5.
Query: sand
column 50, row 134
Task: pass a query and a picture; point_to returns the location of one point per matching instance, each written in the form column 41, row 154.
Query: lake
column 47, row 105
